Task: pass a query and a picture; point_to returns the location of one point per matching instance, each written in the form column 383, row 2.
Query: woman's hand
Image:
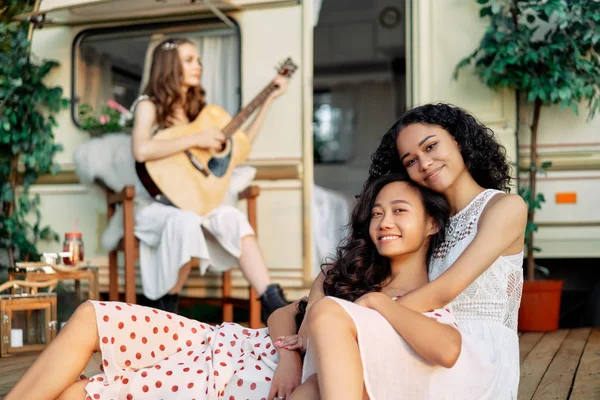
column 295, row 342
column 282, row 84
column 370, row 300
column 291, row 342
column 288, row 375
column 211, row 139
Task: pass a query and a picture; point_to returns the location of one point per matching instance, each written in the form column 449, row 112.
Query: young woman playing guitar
column 224, row 238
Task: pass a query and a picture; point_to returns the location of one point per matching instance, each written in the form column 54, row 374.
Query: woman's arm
column 298, row 341
column 145, row 148
column 282, row 322
column 316, row 291
column 259, row 120
column 288, row 375
column 500, row 232
column 437, row 343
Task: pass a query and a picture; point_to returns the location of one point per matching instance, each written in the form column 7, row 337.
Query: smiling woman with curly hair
column 483, row 156
column 476, row 272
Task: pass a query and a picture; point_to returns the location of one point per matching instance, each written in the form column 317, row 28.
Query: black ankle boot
column 168, row 303
column 271, row 300
column 171, row 303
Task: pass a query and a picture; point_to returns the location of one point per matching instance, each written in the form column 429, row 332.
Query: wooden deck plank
column 17, row 359
column 536, row 363
column 587, row 381
column 12, row 369
column 14, row 375
column 9, row 380
column 9, row 371
column 527, row 342
column 558, row 379
column 546, row 362
column 16, row 362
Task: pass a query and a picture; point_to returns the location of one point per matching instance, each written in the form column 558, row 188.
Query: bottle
column 73, row 244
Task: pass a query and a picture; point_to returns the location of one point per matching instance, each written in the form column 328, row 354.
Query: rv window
column 333, row 126
column 112, row 63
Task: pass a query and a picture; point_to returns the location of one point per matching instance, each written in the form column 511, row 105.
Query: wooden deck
column 554, row 366
column 560, row 365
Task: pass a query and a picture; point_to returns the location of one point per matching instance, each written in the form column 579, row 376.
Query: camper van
column 360, row 65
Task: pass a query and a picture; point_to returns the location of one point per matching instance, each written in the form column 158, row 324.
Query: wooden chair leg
column 255, row 308
column 113, row 277
column 254, row 304
column 226, row 295
column 129, row 249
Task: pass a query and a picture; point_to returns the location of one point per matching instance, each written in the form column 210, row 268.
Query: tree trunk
column 533, row 166
column 13, row 177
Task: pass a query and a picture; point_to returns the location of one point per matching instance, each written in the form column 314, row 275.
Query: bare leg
column 74, row 392
column 61, row 363
column 309, row 390
column 184, row 273
column 253, row 265
column 333, row 340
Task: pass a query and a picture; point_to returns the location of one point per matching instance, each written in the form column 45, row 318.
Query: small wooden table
column 90, row 273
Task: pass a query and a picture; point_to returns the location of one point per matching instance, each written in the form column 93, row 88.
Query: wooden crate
column 35, row 314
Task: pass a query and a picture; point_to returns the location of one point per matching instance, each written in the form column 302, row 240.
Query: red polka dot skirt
column 151, row 354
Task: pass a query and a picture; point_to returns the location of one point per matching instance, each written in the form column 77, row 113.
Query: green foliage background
column 27, row 145
column 547, row 51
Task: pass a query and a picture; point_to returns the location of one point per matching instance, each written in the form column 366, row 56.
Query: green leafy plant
column 27, row 146
column 548, row 51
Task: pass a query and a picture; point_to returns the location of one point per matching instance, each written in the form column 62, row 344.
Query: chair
column 130, row 247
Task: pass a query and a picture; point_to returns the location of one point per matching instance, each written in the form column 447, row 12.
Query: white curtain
column 329, row 216
column 219, row 54
column 94, row 78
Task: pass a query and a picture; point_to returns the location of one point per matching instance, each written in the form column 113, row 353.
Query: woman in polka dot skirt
column 152, row 354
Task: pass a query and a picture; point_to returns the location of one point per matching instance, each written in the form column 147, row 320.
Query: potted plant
column 27, row 145
column 548, row 52
column 112, row 118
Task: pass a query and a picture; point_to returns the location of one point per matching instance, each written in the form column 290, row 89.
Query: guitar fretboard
column 243, row 115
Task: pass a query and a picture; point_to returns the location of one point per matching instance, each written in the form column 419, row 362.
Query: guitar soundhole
column 218, row 165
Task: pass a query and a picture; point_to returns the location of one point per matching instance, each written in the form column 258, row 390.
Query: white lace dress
column 485, row 314
column 487, row 310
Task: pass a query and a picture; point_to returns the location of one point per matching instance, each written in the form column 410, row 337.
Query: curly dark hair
column 484, row 157
column 358, row 268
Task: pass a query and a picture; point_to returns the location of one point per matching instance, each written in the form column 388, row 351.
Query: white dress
column 487, row 310
column 486, row 316
column 170, row 237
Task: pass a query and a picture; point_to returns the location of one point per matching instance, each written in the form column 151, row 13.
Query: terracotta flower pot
column 540, row 306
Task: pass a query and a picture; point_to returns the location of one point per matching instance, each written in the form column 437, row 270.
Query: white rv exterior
column 436, row 35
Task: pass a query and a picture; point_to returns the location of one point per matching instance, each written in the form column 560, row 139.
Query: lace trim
column 463, row 224
column 477, row 200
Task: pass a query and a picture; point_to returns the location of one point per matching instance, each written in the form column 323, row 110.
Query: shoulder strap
column 487, row 196
column 137, row 101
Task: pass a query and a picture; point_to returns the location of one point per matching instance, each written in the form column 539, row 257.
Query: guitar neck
column 239, row 119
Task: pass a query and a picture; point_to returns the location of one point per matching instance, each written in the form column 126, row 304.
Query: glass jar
column 73, row 244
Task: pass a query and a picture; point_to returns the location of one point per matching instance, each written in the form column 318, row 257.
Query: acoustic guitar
column 197, row 179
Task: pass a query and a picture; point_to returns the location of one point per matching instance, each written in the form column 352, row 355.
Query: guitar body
column 180, row 181
column 197, row 179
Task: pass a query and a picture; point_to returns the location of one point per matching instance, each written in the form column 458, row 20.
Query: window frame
column 162, row 26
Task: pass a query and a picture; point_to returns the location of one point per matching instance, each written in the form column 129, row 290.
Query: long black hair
column 484, row 157
column 358, row 268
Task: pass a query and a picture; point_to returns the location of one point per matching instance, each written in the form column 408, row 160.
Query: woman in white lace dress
column 476, row 272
